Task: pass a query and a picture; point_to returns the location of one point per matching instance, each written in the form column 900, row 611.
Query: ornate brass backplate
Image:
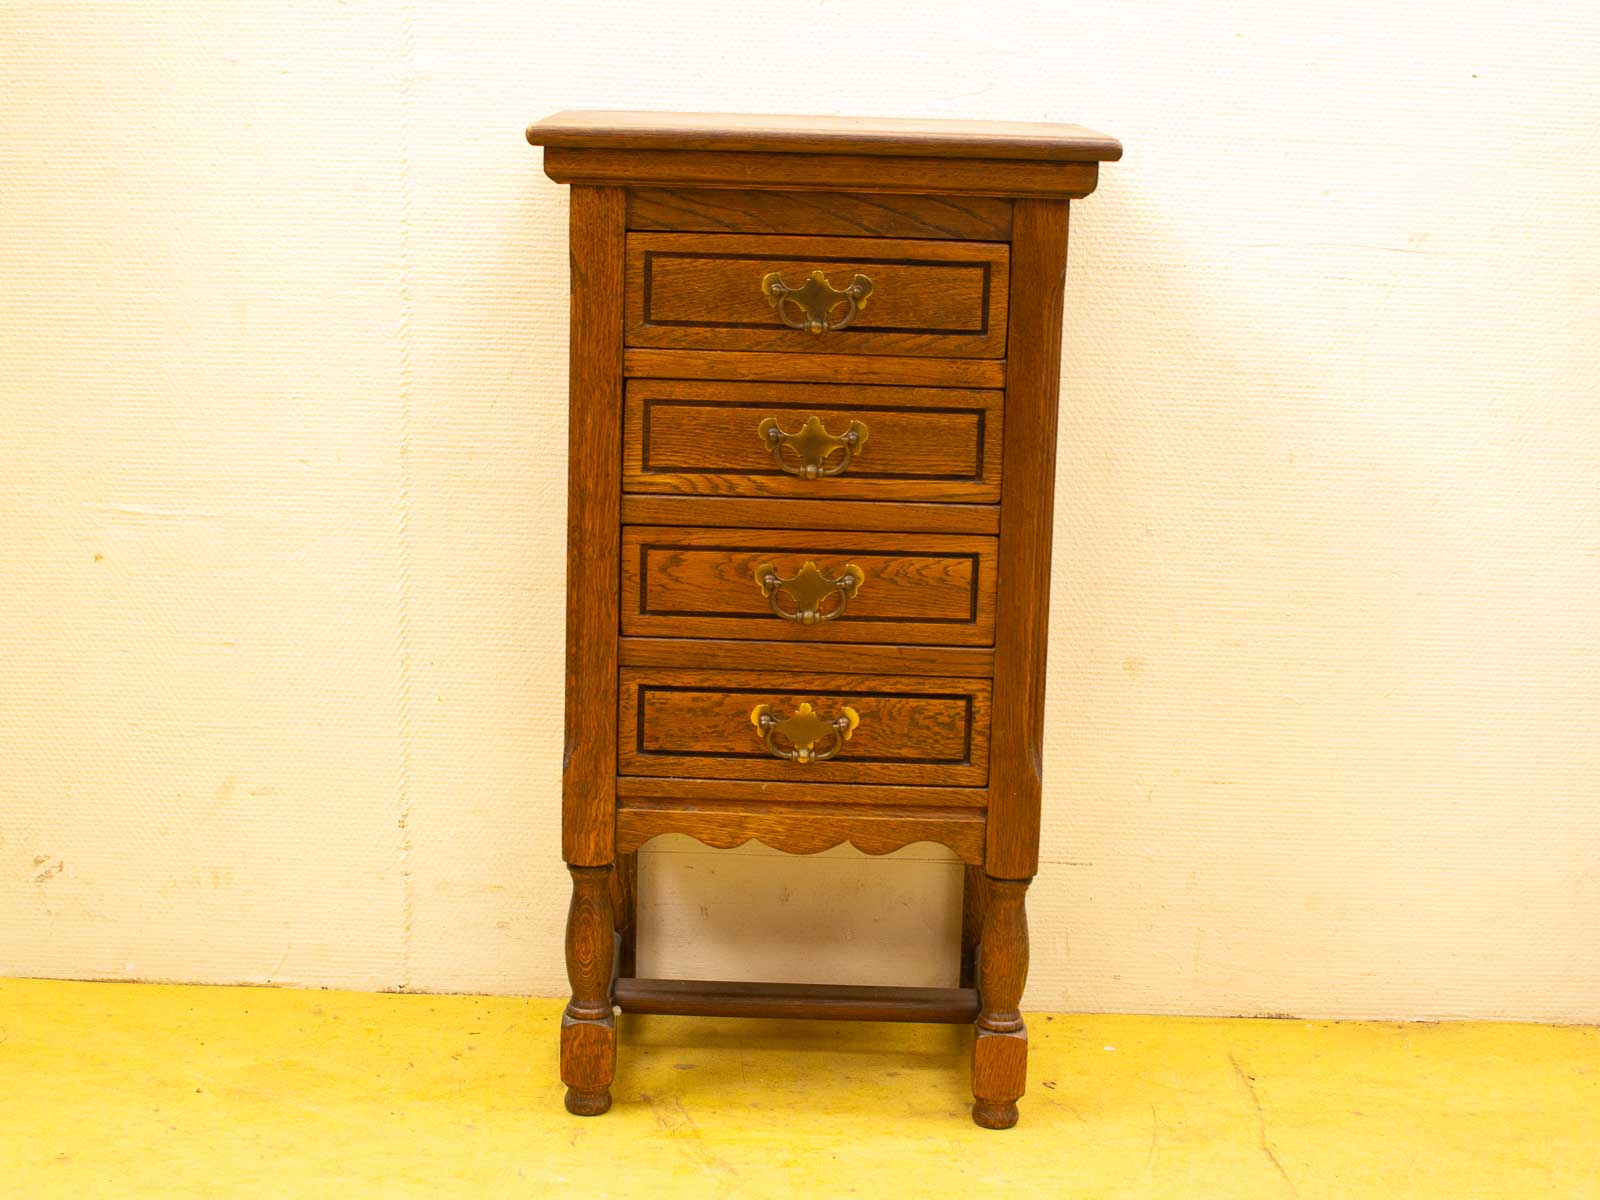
column 808, row 591
column 812, row 446
column 803, row 731
column 810, row 305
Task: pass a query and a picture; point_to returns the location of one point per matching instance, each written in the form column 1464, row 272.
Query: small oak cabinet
column 814, row 375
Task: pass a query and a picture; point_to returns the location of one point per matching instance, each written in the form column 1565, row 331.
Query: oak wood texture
column 753, row 513
column 589, row 765
column 713, row 210
column 929, row 298
column 815, row 368
column 809, row 1002
column 623, row 129
column 804, row 828
column 702, row 438
column 636, row 791
column 1027, row 499
column 945, row 511
column 1000, row 1049
column 588, row 1029
column 822, row 172
column 921, row 589
column 696, row 724
column 973, row 661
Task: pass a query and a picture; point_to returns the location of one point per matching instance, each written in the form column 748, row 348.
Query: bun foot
column 582, row 1103
column 992, row 1114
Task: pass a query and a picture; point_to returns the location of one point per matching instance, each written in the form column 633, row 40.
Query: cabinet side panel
column 1038, row 270
column 594, row 485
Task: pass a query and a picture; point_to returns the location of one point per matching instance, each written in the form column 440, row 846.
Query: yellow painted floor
column 140, row 1090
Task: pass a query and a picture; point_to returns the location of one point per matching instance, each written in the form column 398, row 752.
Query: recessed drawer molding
column 808, row 585
column 820, row 727
column 818, row 295
column 812, row 441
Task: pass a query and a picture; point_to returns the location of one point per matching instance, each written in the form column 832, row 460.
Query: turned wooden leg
column 1000, row 1053
column 625, row 903
column 972, row 889
column 588, row 1028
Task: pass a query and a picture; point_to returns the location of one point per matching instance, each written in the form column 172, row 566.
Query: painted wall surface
column 282, row 452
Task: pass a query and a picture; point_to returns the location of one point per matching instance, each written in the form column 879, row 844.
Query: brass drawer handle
column 809, row 305
column 808, row 591
column 803, row 731
column 812, row 447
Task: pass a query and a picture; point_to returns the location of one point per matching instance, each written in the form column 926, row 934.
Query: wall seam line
column 404, row 713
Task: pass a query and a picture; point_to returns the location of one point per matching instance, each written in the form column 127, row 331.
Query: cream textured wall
column 282, row 355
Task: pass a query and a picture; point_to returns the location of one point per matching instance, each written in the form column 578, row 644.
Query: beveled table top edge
column 596, row 129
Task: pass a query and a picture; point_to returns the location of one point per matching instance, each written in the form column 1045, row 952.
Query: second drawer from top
column 811, row 440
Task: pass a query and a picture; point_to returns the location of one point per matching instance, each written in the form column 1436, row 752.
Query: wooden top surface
column 594, row 129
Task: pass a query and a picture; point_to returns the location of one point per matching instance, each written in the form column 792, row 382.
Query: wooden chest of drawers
column 814, row 380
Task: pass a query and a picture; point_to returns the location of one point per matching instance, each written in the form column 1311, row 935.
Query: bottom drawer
column 800, row 728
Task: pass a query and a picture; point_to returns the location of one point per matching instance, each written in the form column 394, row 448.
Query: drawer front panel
column 865, row 295
column 904, row 730
column 809, row 585
column 715, row 438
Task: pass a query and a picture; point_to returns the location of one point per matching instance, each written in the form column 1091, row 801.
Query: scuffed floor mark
column 676, row 1123
column 1248, row 1081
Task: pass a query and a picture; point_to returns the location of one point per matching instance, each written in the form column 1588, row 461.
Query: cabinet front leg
column 588, row 1027
column 1000, row 1053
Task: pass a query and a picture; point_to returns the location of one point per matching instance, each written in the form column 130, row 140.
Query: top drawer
column 817, row 295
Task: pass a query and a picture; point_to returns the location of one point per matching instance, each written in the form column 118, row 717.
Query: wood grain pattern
column 751, row 513
column 797, row 1001
column 594, row 474
column 761, row 132
column 711, row 655
column 1000, row 1051
column 702, row 437
column 822, row 172
column 805, row 828
column 724, row 210
column 815, row 368
column 703, row 291
column 588, row 1029
column 634, row 791
column 697, row 724
column 921, row 589
column 954, row 367
column 1027, row 503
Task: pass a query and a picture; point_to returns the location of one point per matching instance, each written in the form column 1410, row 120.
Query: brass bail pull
column 811, row 305
column 805, row 597
column 813, row 452
column 795, row 738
